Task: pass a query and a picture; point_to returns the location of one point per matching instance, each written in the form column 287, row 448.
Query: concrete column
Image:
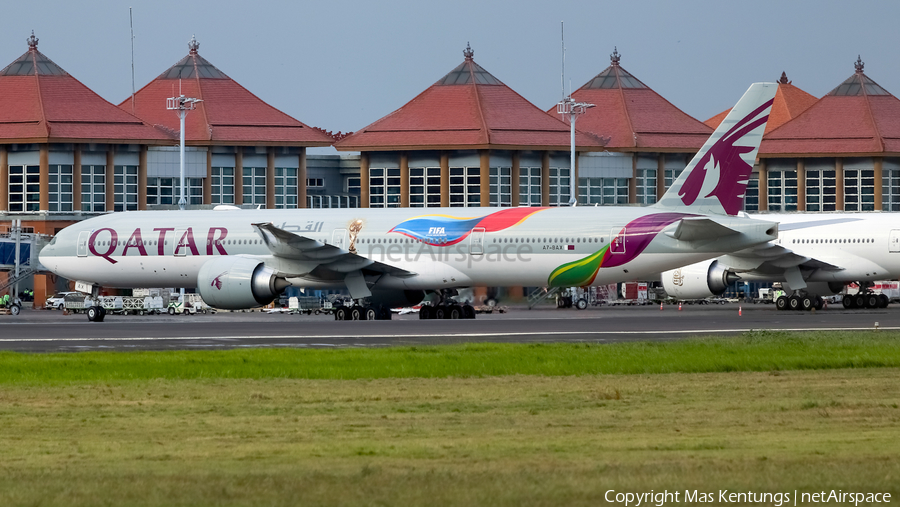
column 110, row 178
column 142, row 179
column 801, row 184
column 45, row 177
column 514, row 178
column 632, row 183
column 404, row 179
column 270, row 178
column 207, row 182
column 660, row 176
column 839, row 184
column 445, row 179
column 763, row 185
column 301, row 179
column 364, row 180
column 42, row 287
column 4, row 179
column 545, row 178
column 879, row 184
column 76, row 179
column 239, row 176
column 485, row 158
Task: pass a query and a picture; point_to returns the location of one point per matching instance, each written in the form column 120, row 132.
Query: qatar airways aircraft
column 391, row 257
column 815, row 254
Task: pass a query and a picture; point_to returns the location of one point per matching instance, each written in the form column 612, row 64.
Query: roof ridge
column 871, row 115
column 484, row 126
column 625, row 106
column 40, row 91
column 193, row 53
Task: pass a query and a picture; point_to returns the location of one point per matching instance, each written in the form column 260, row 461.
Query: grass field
column 461, row 425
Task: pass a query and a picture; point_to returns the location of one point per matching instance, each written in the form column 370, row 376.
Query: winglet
column 715, row 180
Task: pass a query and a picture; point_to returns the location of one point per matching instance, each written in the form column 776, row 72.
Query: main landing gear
column 361, row 311
column 865, row 300
column 451, row 311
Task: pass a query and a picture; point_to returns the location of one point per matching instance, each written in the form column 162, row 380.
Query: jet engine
column 236, row 283
column 698, row 281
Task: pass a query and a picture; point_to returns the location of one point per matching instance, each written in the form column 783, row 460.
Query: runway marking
column 439, row 335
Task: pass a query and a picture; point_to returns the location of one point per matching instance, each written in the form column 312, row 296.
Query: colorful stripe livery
column 628, row 244
column 445, row 230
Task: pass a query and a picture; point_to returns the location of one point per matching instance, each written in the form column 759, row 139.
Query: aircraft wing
column 770, row 257
column 698, row 228
column 308, row 254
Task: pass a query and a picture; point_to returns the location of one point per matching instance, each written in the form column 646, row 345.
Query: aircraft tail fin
column 715, row 180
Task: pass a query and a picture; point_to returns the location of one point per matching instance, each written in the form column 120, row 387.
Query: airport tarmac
column 51, row 331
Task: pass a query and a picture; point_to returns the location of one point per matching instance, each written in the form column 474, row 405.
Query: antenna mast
column 568, row 106
column 131, row 22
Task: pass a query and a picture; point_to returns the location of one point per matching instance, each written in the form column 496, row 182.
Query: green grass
column 752, row 352
column 479, row 424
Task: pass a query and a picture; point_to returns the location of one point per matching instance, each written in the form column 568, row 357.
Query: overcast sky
column 342, row 65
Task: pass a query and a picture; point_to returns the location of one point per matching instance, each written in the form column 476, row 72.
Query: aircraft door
column 82, row 248
column 339, row 238
column 476, row 241
column 617, row 241
column 894, row 241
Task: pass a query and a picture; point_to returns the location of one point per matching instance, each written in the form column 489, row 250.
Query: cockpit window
column 53, row 241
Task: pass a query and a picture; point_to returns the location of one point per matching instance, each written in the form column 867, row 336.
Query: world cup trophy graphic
column 354, row 228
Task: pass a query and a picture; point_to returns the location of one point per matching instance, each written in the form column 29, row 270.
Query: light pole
column 568, row 106
column 181, row 104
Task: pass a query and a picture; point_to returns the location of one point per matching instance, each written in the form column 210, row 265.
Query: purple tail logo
column 217, row 282
column 725, row 158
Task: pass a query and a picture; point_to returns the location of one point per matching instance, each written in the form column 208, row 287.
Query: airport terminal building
column 468, row 140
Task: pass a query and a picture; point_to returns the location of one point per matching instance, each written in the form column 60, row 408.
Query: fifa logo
column 677, row 277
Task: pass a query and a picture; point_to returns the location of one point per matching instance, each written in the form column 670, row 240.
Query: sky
column 343, row 65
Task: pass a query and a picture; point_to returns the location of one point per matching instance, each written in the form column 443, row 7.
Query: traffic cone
column 660, row 307
column 739, row 311
column 679, row 306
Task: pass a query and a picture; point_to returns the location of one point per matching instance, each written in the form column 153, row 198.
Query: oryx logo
column 217, row 281
column 678, row 277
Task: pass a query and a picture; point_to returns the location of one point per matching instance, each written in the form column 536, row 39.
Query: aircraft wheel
column 424, row 313
column 781, row 303
column 440, row 312
column 859, row 301
column 356, row 313
column 883, row 301
column 806, row 303
column 819, row 303
column 468, row 312
column 794, row 303
column 581, row 304
column 340, row 313
column 15, row 309
column 454, row 312
column 847, row 301
column 872, row 301
column 370, row 313
column 92, row 313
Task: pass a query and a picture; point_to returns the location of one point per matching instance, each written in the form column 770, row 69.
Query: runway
column 50, row 331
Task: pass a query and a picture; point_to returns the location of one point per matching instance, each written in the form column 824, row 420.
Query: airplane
column 815, row 255
column 386, row 258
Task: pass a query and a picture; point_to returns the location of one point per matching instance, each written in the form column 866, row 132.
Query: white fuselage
column 168, row 248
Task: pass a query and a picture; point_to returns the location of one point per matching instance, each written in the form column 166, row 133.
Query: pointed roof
column 789, row 102
column 633, row 116
column 468, row 108
column 228, row 114
column 857, row 117
column 42, row 103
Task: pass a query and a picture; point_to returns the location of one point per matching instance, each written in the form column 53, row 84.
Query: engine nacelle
column 697, row 281
column 236, row 283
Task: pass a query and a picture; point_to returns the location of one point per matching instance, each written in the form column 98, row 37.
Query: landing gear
column 865, row 300
column 362, row 312
column 803, row 302
column 96, row 313
column 453, row 312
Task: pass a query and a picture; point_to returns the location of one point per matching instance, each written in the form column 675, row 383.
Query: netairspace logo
column 724, row 497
